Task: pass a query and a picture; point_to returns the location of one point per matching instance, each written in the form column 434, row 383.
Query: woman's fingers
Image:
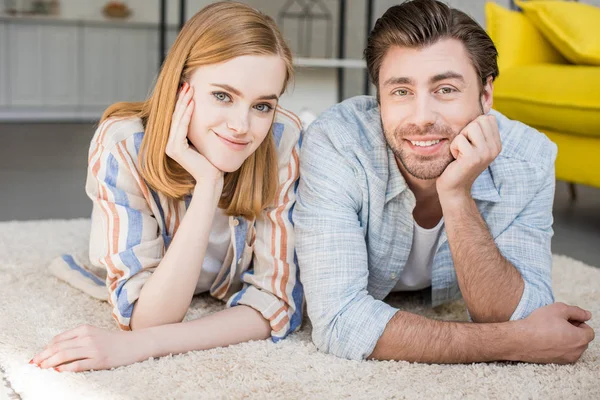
column 66, row 356
column 187, row 116
column 70, row 334
column 79, row 366
column 180, row 121
column 55, row 348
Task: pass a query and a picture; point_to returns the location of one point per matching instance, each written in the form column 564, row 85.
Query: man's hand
column 555, row 334
column 474, row 149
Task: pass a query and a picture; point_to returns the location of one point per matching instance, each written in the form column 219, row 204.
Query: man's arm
column 508, row 277
column 553, row 334
column 415, row 338
column 490, row 285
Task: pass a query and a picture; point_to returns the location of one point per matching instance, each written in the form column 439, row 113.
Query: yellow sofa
column 539, row 86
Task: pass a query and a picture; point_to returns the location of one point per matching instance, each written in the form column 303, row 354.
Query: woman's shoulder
column 287, row 128
column 126, row 133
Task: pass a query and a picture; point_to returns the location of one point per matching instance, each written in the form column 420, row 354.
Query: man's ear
column 487, row 95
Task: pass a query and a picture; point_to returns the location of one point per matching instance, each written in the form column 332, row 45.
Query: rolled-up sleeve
column 272, row 286
column 332, row 253
column 125, row 238
column 526, row 245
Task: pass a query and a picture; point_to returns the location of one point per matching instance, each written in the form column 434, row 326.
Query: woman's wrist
column 142, row 344
column 208, row 189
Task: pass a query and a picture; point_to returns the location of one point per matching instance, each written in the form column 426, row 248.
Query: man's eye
column 401, row 92
column 446, row 90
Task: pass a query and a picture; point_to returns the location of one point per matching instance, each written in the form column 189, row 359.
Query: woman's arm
column 167, row 294
column 230, row 326
column 87, row 347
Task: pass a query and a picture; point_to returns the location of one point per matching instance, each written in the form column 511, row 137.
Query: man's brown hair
column 421, row 23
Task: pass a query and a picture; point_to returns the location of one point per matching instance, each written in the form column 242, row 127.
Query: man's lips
column 427, row 147
column 425, row 138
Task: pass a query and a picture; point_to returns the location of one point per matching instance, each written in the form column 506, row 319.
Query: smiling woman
column 192, row 192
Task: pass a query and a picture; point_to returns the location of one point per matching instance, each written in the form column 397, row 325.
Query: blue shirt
column 354, row 223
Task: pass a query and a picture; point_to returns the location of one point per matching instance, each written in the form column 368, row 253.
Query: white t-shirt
column 417, row 272
column 218, row 244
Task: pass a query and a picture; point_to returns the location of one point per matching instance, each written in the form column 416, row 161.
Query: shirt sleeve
column 526, row 245
column 125, row 235
column 272, row 285
column 347, row 321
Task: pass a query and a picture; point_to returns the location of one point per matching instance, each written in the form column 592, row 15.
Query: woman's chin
column 225, row 165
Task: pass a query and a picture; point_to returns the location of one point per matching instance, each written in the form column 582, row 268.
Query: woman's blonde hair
column 218, row 33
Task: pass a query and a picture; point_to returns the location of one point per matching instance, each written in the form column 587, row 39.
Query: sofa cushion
column 577, row 160
column 517, row 40
column 573, row 28
column 565, row 98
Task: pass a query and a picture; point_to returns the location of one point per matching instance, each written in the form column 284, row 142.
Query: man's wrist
column 515, row 335
column 451, row 199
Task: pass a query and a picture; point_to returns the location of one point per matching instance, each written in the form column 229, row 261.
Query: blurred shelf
column 17, row 116
column 329, row 63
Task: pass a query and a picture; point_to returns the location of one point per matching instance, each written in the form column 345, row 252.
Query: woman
column 193, row 192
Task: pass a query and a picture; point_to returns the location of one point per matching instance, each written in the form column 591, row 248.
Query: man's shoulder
column 354, row 121
column 524, row 144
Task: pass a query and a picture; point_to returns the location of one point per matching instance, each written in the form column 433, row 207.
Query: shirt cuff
column 355, row 336
column 279, row 314
column 530, row 301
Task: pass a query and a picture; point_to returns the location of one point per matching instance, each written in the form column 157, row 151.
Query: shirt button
column 236, row 222
column 393, row 276
column 239, row 261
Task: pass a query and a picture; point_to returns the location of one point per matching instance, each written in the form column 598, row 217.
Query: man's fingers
column 576, row 313
column 461, row 146
column 588, row 332
column 495, row 129
column 475, row 134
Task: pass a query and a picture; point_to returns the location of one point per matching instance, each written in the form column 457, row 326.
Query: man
column 427, row 187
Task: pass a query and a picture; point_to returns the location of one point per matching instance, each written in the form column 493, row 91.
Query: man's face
column 427, row 97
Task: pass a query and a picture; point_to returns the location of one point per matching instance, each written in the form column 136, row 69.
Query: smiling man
column 427, row 188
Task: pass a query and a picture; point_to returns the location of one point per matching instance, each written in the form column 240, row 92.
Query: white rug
column 34, row 306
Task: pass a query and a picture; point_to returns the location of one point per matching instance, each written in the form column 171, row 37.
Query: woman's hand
column 88, row 347
column 179, row 147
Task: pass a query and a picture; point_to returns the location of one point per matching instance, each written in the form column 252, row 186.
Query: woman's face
column 234, row 107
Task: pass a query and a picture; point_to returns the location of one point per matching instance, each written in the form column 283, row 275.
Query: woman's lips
column 231, row 143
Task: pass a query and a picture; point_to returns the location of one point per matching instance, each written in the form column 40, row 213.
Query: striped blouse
column 133, row 225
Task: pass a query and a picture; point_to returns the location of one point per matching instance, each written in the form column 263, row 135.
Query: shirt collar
column 396, row 183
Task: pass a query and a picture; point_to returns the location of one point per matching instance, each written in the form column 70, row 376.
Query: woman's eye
column 264, row 107
column 224, row 97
